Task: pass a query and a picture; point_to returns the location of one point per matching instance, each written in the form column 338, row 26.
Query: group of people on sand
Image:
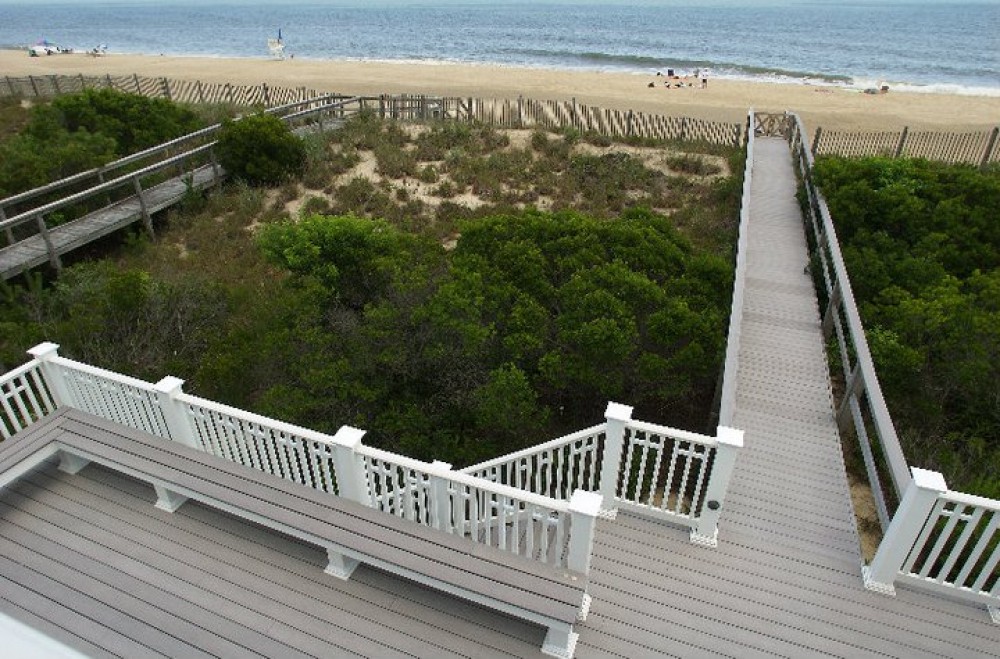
column 677, row 82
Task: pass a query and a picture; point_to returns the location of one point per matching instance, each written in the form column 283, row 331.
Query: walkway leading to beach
column 785, row 579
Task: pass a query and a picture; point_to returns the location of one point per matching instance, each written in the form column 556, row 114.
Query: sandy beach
column 723, row 100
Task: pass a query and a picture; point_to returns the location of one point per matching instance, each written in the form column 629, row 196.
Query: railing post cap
column 44, row 350
column 618, row 412
column 169, row 385
column 928, row 480
column 729, row 436
column 585, row 503
column 443, row 466
column 349, row 436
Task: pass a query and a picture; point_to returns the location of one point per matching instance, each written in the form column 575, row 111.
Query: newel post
column 904, row 529
column 46, row 354
column 584, row 507
column 352, row 483
column 178, row 425
column 440, row 497
column 729, row 441
column 617, row 416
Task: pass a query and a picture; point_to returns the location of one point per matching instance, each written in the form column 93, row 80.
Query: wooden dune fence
column 975, row 148
column 503, row 113
column 183, row 91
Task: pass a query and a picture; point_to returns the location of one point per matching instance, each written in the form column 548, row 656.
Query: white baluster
column 617, row 416
column 911, row 515
column 728, row 443
column 46, row 353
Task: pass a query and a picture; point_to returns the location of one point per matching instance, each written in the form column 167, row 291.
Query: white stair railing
column 24, row 399
column 942, row 541
column 665, row 473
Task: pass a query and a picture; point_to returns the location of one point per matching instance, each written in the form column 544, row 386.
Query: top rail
column 727, row 399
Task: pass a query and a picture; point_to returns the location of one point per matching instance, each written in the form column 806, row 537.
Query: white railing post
column 46, row 353
column 584, row 507
column 617, row 416
column 911, row 516
column 729, row 441
column 352, row 482
column 440, row 498
column 167, row 391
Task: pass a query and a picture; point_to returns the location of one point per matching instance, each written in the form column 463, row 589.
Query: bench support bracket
column 71, row 464
column 560, row 642
column 168, row 499
column 339, row 565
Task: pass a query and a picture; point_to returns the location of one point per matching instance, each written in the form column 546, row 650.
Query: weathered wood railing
column 665, row 473
column 935, row 539
column 198, row 164
column 556, row 531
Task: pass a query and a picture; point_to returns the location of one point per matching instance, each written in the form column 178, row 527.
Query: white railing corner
column 729, row 442
column 918, row 501
column 352, row 482
column 46, row 354
column 584, row 508
column 167, row 391
column 441, row 496
column 617, row 416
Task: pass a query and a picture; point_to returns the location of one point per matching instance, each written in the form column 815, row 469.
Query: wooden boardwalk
column 90, row 561
column 33, row 251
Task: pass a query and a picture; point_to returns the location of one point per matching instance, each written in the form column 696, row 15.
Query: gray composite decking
column 90, row 561
column 32, row 251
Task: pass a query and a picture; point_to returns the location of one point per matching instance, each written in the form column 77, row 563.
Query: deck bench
column 350, row 532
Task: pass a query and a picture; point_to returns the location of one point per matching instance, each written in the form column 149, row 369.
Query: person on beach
column 704, row 78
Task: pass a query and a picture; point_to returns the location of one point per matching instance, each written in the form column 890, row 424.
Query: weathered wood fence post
column 146, row 219
column 902, row 142
column 135, row 79
column 54, row 259
column 34, row 86
column 918, row 501
column 815, row 144
column 166, row 88
column 990, row 145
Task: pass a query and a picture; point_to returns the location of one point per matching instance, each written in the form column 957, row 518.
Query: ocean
column 912, row 46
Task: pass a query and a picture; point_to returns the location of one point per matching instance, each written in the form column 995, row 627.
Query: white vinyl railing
column 558, row 531
column 556, row 468
column 938, row 540
column 942, row 541
column 669, row 474
column 24, row 398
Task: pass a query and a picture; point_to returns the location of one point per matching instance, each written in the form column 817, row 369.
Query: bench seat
column 351, row 533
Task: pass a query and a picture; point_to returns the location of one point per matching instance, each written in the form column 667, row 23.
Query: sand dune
column 723, row 100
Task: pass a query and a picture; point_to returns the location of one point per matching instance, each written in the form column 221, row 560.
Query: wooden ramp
column 31, row 252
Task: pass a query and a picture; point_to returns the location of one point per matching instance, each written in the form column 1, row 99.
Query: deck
column 88, row 560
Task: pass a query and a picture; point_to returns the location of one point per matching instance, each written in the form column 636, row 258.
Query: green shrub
column 260, row 148
column 394, row 162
